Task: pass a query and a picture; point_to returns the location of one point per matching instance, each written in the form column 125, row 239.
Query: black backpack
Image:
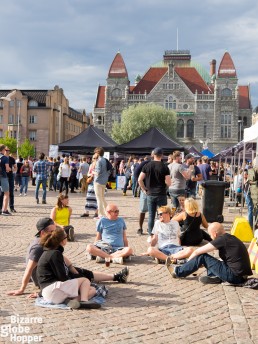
column 108, row 165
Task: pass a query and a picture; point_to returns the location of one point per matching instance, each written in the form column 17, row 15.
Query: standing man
column 41, row 169
column 205, row 171
column 101, row 175
column 153, row 180
column 4, row 169
column 10, row 176
column 83, row 169
column 179, row 174
column 50, row 173
column 195, row 176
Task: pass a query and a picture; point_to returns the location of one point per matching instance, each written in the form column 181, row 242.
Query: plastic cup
column 107, row 262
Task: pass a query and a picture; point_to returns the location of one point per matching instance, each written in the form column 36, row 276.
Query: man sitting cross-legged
column 233, row 268
column 111, row 240
column 166, row 237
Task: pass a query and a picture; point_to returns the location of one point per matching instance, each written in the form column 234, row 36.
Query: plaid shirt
column 41, row 168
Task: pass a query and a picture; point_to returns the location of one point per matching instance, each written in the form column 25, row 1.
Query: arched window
column 226, row 92
column 33, row 103
column 190, row 128
column 116, row 93
column 180, row 128
column 170, row 103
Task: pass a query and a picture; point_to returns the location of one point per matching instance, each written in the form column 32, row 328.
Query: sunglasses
column 161, row 214
column 114, row 211
column 7, row 150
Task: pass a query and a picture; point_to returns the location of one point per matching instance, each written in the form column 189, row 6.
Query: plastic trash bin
column 213, row 200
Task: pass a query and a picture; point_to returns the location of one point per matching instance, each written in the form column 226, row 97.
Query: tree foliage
column 10, row 142
column 137, row 119
column 26, row 149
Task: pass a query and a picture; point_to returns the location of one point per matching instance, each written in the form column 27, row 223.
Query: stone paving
column 150, row 308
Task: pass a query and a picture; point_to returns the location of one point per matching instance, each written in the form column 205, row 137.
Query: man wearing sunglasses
column 165, row 239
column 111, row 240
column 4, row 169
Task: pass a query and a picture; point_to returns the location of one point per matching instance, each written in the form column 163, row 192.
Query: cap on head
column 189, row 156
column 157, row 151
column 43, row 224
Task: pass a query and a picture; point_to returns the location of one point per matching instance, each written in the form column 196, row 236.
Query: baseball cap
column 43, row 224
column 157, row 151
column 189, row 156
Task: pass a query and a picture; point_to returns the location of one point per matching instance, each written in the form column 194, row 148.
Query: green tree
column 10, row 142
column 26, row 149
column 137, row 119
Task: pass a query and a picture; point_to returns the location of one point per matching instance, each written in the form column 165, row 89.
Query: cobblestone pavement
column 150, row 308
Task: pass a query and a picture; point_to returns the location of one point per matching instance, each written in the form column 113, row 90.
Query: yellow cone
column 242, row 229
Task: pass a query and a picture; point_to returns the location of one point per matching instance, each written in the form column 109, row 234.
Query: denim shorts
column 143, row 202
column 170, row 249
column 4, row 184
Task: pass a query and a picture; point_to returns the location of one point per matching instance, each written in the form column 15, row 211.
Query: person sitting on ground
column 234, row 266
column 55, row 284
column 181, row 207
column 111, row 240
column 61, row 215
column 192, row 218
column 166, row 235
column 45, row 226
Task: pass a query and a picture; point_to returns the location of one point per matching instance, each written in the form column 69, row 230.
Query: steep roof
column 192, row 79
column 244, row 100
column 38, row 95
column 150, row 79
column 100, row 101
column 118, row 68
column 226, row 67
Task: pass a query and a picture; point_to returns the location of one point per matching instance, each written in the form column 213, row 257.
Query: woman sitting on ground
column 192, row 219
column 55, row 285
column 61, row 215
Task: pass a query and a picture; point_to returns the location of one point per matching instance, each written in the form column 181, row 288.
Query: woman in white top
column 65, row 172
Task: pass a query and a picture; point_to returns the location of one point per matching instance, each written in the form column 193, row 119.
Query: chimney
column 212, row 67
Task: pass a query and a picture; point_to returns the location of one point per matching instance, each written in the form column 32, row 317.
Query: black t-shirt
column 56, row 167
column 4, row 161
column 234, row 253
column 155, row 172
column 12, row 162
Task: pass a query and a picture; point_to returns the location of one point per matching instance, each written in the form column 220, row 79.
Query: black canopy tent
column 87, row 140
column 146, row 142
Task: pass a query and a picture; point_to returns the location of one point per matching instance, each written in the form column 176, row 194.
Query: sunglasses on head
column 161, row 214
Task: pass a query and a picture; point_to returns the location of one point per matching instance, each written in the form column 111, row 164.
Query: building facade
column 211, row 108
column 42, row 116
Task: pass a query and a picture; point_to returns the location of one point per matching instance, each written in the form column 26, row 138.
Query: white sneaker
column 118, row 260
column 25, row 194
column 20, row 194
column 100, row 259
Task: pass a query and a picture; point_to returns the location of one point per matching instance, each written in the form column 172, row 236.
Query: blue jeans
column 153, row 203
column 214, row 267
column 44, row 187
column 174, row 193
column 250, row 207
column 25, row 182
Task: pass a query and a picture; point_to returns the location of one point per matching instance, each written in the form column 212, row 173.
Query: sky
column 72, row 43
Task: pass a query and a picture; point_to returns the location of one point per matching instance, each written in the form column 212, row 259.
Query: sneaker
column 90, row 256
column 13, row 210
column 37, row 200
column 124, row 194
column 140, row 231
column 100, row 259
column 6, row 213
column 25, row 194
column 85, row 215
column 210, row 280
column 71, row 234
column 181, row 261
column 170, row 267
column 20, row 194
column 74, row 304
column 89, row 305
column 121, row 276
column 44, row 202
column 118, row 260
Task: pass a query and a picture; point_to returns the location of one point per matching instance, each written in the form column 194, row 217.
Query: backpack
column 108, row 165
column 1, row 165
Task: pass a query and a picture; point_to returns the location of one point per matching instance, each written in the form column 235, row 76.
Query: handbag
column 184, row 231
column 90, row 179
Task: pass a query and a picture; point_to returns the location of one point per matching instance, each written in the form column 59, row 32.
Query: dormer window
column 33, row 103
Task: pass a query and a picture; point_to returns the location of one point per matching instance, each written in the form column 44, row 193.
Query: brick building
column 45, row 117
column 210, row 107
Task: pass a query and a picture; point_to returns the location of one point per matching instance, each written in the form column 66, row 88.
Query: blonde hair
column 191, row 206
column 165, row 209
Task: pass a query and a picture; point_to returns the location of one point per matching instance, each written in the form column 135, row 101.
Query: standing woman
column 65, row 172
column 91, row 201
column 55, row 285
column 61, row 215
column 25, row 176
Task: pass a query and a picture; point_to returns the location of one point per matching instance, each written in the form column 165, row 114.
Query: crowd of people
column 178, row 234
